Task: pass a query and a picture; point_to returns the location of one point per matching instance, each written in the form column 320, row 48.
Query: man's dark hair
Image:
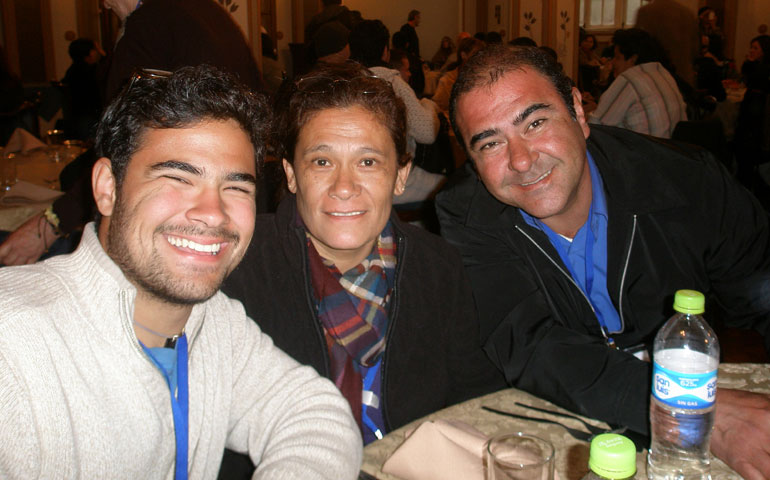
column 335, row 86
column 635, row 41
column 80, row 48
column 490, row 64
column 189, row 96
column 412, row 15
column 399, row 40
column 367, row 42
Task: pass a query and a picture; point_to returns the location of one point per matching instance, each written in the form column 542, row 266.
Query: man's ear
column 103, row 184
column 580, row 116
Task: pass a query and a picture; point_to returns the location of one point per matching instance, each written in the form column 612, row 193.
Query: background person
column 335, row 261
column 644, row 96
column 575, row 240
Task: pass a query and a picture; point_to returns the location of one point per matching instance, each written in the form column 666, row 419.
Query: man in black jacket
column 576, row 239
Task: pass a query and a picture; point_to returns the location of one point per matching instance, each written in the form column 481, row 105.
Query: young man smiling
column 575, row 240
column 122, row 360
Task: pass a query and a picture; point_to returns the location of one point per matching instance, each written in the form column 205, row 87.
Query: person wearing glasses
column 381, row 307
column 123, row 359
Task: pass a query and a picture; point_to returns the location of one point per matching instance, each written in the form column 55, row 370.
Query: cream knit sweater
column 80, row 399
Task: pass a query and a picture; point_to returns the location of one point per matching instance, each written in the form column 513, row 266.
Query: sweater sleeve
column 292, row 422
column 20, row 452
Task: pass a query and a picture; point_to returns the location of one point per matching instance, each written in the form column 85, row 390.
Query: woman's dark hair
column 336, row 86
column 190, row 96
column 764, row 44
column 489, row 65
column 367, row 42
column 635, row 41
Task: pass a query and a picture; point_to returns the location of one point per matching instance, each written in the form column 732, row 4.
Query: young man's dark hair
column 190, row 96
column 412, row 15
column 490, row 64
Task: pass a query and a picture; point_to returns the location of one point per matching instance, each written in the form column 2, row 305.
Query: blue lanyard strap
column 179, row 402
column 181, row 409
column 371, row 374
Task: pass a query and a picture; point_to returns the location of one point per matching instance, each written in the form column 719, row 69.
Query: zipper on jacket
column 566, row 275
column 623, row 276
column 393, row 314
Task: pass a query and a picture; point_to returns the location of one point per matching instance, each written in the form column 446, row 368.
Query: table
column 572, row 455
column 34, row 167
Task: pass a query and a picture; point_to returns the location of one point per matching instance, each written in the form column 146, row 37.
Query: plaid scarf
column 353, row 309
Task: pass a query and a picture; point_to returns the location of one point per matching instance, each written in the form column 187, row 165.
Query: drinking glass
column 519, row 456
column 7, row 171
column 54, row 139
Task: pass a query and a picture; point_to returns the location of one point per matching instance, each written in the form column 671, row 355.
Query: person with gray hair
column 576, row 237
column 123, row 359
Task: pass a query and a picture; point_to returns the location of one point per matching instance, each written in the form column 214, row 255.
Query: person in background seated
column 576, row 238
column 82, row 79
column 443, row 55
column 399, row 61
column 123, row 359
column 379, row 306
column 644, row 96
column 465, row 50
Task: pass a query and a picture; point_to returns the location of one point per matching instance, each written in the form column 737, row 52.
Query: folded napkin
column 22, row 141
column 444, row 450
column 440, row 450
column 25, row 193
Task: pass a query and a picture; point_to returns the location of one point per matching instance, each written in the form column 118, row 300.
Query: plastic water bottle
column 684, row 384
column 612, row 457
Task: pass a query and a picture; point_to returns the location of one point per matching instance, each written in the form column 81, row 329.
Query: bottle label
column 692, row 391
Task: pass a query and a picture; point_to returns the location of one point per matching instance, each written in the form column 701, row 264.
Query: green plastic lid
column 612, row 456
column 689, row 302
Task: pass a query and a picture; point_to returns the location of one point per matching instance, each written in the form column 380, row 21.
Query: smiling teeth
column 345, row 214
column 185, row 243
column 537, row 180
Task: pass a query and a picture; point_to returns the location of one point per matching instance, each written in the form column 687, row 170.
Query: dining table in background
column 571, row 454
column 35, row 167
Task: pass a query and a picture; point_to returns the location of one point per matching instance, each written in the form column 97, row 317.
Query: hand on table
column 28, row 242
column 741, row 435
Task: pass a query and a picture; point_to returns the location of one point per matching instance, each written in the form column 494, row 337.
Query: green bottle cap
column 612, row 456
column 689, row 302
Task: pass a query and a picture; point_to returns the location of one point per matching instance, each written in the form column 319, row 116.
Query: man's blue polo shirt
column 573, row 253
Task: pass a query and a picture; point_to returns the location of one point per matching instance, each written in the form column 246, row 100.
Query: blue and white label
column 691, row 391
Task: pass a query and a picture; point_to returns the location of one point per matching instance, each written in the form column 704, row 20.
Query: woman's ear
column 401, row 176
column 291, row 178
column 103, row 184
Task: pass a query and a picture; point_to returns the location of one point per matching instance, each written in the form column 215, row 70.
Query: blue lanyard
column 371, row 374
column 179, row 404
